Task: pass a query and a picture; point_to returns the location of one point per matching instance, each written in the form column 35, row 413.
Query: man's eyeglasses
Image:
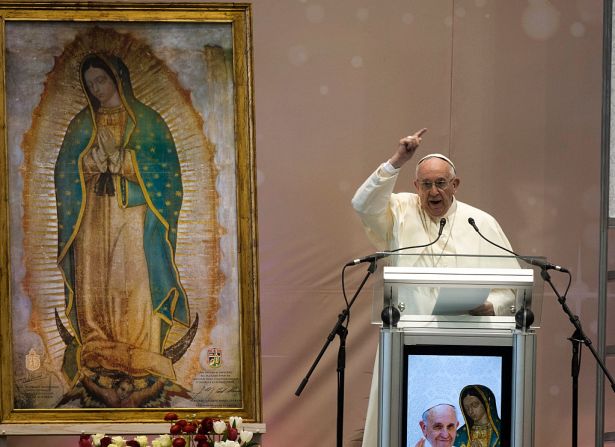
column 442, row 184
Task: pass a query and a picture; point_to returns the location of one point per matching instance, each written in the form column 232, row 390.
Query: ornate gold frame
column 238, row 16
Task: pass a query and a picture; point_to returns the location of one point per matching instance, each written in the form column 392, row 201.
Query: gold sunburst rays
column 49, row 225
column 55, row 349
column 198, row 252
column 52, row 306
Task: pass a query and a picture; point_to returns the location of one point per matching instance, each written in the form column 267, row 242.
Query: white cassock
column 394, row 220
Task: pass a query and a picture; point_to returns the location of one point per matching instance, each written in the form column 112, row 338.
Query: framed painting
column 128, row 220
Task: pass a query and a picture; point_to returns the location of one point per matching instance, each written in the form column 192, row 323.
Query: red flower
column 208, row 424
column 104, row 442
column 171, row 417
column 182, row 423
column 179, row 442
column 189, row 427
column 176, row 429
column 233, row 434
column 133, row 443
column 200, row 437
column 85, row 442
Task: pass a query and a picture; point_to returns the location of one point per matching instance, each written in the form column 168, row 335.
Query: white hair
column 428, row 411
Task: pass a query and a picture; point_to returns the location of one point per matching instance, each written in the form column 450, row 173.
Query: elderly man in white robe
column 395, row 220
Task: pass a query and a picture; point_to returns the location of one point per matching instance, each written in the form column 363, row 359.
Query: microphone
column 538, row 262
column 369, row 258
column 383, row 254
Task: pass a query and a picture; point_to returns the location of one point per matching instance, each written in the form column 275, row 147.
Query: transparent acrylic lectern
column 433, row 351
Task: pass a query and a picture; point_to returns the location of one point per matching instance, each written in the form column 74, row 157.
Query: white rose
column 96, row 439
column 236, row 422
column 165, row 440
column 219, row 427
column 156, row 443
column 225, row 444
column 118, row 441
column 142, row 440
column 246, row 436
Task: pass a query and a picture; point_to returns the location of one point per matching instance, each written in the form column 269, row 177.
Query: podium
column 431, row 348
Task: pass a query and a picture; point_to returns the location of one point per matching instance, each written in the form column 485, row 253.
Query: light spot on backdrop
column 460, row 12
column 297, row 55
column 480, row 3
column 531, row 201
column 448, row 21
column 363, row 14
column 540, row 20
column 407, row 18
column 577, row 29
column 554, row 390
column 315, row 13
column 324, row 90
column 356, row 61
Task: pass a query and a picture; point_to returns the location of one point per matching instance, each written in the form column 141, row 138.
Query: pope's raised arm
column 412, row 219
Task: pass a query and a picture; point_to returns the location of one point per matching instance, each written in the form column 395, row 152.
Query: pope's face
column 441, row 427
column 436, row 185
column 101, row 86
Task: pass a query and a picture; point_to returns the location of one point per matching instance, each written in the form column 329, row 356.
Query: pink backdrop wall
column 510, row 90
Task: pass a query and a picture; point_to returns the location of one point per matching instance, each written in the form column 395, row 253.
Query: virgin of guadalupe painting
column 123, row 185
column 482, row 424
column 118, row 207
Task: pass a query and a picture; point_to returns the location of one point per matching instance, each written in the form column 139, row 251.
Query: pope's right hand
column 407, row 147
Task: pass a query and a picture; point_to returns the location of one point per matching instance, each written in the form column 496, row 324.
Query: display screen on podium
column 486, row 374
column 438, row 374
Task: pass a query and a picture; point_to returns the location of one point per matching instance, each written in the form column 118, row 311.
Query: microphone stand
column 340, row 330
column 577, row 339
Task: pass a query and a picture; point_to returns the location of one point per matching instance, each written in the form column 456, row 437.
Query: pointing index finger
column 420, row 133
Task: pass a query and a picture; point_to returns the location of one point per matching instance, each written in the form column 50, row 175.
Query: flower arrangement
column 209, row 432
